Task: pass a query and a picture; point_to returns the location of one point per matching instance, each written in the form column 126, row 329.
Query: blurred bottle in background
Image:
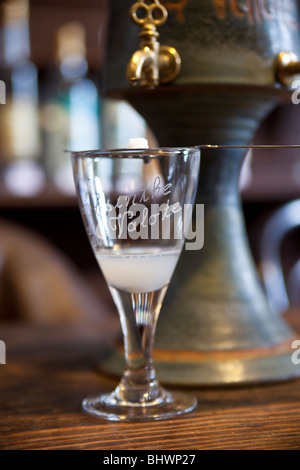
column 48, row 111
column 20, row 145
column 70, row 107
column 120, row 122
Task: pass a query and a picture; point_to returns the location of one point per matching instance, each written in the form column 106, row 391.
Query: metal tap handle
column 148, row 11
column 152, row 64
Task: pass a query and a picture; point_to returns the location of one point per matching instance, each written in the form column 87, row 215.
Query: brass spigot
column 152, row 64
column 287, row 68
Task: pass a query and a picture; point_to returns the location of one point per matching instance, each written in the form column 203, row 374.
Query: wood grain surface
column 49, row 371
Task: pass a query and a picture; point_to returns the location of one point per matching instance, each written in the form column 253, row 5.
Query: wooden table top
column 49, row 370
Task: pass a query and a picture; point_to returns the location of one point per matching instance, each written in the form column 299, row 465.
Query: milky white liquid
column 138, row 272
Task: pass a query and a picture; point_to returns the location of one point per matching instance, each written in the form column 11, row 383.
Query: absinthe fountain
column 228, row 64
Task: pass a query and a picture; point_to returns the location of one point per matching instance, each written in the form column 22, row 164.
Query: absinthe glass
column 136, row 206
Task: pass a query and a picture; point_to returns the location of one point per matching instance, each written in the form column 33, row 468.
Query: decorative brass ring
column 149, row 13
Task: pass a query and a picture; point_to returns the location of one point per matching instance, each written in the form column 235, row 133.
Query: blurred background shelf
column 49, row 197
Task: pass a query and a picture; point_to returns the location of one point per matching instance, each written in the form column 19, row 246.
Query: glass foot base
column 108, row 407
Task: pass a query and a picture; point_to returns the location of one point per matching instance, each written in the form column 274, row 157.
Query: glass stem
column 138, row 384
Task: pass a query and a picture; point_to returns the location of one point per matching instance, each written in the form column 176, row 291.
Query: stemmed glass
column 136, row 207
